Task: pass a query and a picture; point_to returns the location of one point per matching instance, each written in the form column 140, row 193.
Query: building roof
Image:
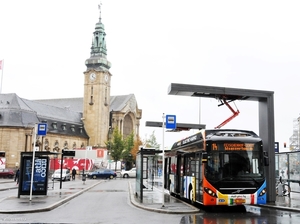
column 19, row 112
column 117, row 103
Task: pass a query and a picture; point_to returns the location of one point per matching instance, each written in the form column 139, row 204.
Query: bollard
column 83, row 178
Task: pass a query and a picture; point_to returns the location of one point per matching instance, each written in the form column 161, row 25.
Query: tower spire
column 98, row 48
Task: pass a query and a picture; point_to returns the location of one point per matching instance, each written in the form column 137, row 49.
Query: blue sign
column 171, row 121
column 276, row 147
column 42, row 129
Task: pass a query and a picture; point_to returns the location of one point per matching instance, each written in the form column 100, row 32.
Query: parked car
column 128, row 173
column 102, row 173
column 7, row 173
column 66, row 175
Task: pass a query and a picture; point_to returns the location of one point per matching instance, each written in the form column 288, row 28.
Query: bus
column 218, row 167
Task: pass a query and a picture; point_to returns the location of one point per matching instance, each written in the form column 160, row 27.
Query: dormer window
column 64, row 127
column 54, row 125
column 73, row 128
column 80, row 129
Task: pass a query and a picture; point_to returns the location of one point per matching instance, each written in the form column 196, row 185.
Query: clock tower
column 96, row 99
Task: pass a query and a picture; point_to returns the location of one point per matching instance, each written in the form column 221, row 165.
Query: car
column 102, row 173
column 7, row 173
column 66, row 175
column 128, row 173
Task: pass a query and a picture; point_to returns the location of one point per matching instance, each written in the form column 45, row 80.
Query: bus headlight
column 210, row 192
column 264, row 191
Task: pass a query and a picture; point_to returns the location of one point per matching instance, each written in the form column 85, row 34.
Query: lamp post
column 163, row 161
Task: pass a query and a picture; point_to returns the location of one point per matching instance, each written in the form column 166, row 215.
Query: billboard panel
column 40, row 175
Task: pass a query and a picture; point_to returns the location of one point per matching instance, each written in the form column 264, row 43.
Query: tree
column 116, row 146
column 151, row 142
column 137, row 143
column 126, row 154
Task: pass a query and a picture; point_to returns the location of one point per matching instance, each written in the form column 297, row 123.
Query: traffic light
column 284, row 144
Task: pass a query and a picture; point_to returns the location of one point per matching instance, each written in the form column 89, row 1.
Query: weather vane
column 99, row 7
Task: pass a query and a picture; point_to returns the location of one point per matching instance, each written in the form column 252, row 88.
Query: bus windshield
column 234, row 164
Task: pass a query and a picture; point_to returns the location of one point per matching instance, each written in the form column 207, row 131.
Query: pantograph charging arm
column 235, row 113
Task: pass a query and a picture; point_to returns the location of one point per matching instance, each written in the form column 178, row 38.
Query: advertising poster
column 77, row 164
column 2, row 163
column 40, row 173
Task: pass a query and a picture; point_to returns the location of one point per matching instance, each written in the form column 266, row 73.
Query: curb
column 279, row 207
column 162, row 209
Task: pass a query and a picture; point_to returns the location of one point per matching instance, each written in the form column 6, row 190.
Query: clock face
column 92, row 76
column 106, row 78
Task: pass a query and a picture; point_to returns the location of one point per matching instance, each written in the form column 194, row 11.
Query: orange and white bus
column 218, row 167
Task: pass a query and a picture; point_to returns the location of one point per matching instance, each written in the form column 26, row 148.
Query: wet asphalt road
column 109, row 202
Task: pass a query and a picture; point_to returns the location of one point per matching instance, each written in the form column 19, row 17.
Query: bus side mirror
column 266, row 159
column 204, row 158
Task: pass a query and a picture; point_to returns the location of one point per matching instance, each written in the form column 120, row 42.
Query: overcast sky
column 151, row 44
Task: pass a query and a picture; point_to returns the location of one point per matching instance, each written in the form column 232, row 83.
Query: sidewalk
column 152, row 198
column 10, row 203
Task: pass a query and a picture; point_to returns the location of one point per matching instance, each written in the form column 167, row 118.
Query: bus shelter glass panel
column 138, row 175
column 281, row 166
column 294, row 165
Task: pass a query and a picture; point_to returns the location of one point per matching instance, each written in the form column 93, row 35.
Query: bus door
column 198, row 175
column 192, row 176
column 178, row 174
column 168, row 171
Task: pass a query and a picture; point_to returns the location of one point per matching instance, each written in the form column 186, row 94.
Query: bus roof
column 216, row 134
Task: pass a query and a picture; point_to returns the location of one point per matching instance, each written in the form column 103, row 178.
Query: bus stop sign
column 42, row 129
column 171, row 121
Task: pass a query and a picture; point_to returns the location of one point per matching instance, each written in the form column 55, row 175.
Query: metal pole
column 61, row 168
column 163, row 161
column 199, row 110
column 32, row 163
column 2, row 68
column 83, row 174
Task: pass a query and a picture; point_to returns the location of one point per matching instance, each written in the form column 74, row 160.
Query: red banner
column 78, row 164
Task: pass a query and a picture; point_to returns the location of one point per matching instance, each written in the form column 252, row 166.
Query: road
column 108, row 203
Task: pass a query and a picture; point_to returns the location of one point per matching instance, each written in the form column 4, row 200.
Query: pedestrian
column 17, row 176
column 73, row 174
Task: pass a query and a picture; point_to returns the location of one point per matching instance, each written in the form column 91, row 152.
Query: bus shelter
column 144, row 170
